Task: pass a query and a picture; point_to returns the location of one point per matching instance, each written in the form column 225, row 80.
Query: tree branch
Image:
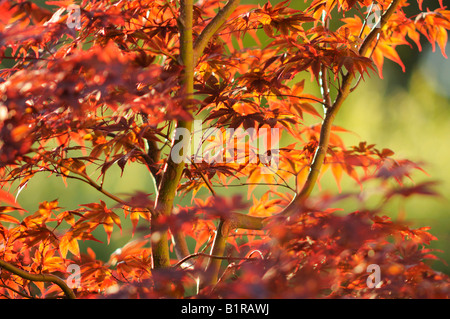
column 330, row 115
column 152, row 157
column 213, row 26
column 217, row 249
column 205, row 179
column 257, row 223
column 324, row 87
column 18, row 292
column 375, row 31
column 189, row 54
column 39, row 277
column 323, row 70
column 173, row 171
column 251, row 222
column 85, row 178
column 234, row 221
column 182, row 261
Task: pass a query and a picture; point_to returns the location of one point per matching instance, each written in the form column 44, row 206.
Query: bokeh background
column 407, row 112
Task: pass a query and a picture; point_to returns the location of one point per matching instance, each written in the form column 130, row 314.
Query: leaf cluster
column 77, row 102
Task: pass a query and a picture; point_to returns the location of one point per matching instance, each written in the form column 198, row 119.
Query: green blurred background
column 406, row 112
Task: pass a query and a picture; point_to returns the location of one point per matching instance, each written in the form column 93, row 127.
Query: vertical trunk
column 173, row 170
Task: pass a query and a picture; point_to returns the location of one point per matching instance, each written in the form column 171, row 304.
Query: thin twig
column 370, row 55
column 213, row 26
column 257, row 184
column 18, row 292
column 179, row 263
column 84, row 176
column 173, row 171
column 205, row 179
column 323, row 70
column 330, row 114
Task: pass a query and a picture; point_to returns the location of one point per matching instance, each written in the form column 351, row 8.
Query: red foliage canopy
column 79, row 99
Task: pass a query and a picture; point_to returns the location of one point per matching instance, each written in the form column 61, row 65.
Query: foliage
column 78, row 101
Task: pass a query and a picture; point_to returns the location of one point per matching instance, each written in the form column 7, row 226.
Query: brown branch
column 18, row 292
column 234, row 221
column 189, row 53
column 39, row 277
column 323, row 70
column 257, row 223
column 251, row 222
column 153, row 154
column 205, row 179
column 152, row 157
column 213, row 26
column 217, row 249
column 85, row 178
column 325, row 89
column 370, row 56
column 330, row 115
column 182, row 261
column 257, row 184
column 375, row 31
column 173, row 171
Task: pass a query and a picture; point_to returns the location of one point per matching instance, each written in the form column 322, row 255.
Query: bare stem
column 182, row 261
column 323, row 70
column 205, row 179
column 217, row 249
column 257, row 223
column 84, row 177
column 325, row 89
column 330, row 115
column 213, row 26
column 39, row 277
column 172, row 170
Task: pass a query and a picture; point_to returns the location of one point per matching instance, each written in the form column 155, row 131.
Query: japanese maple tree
column 100, row 84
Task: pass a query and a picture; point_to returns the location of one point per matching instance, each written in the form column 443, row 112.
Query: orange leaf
column 308, row 108
column 337, row 170
column 8, row 198
column 8, row 218
column 68, row 243
column 441, row 39
column 390, row 53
